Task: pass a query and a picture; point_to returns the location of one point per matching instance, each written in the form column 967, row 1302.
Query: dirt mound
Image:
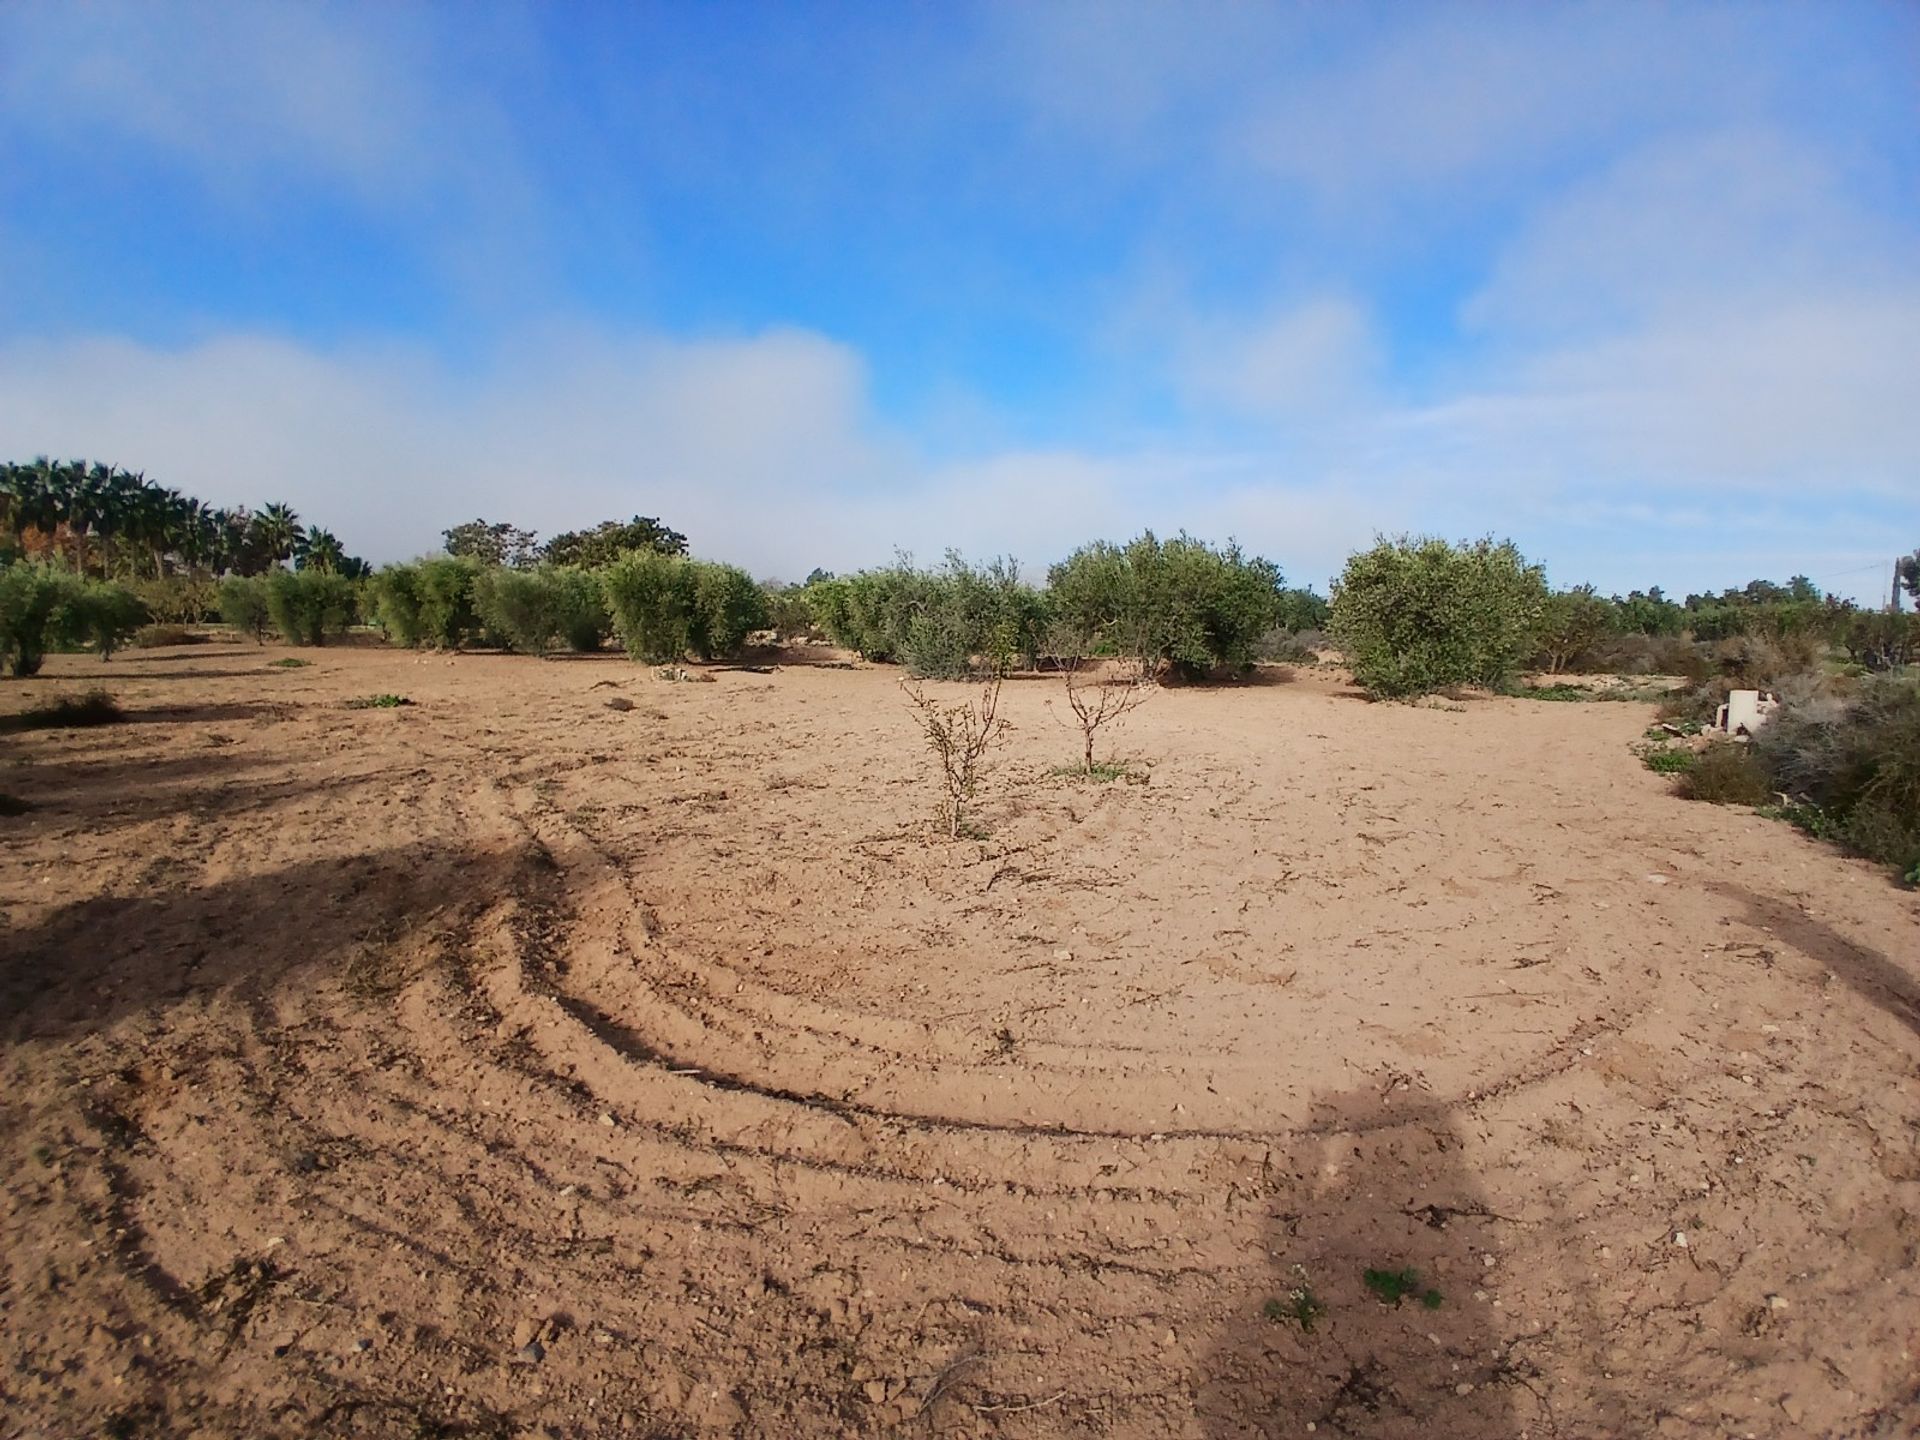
column 511, row 1064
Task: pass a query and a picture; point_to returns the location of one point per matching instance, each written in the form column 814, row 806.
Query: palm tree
column 277, row 530
column 319, row 550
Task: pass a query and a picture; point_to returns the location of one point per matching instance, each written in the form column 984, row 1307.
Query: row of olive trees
column 1170, row 605
column 661, row 606
column 49, row 607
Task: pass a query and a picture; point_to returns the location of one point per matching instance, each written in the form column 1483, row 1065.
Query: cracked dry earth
column 510, row 1064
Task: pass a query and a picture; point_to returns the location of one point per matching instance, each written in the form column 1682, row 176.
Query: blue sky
column 1638, row 286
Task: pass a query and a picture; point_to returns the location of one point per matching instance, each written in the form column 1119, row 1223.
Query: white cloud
column 764, row 449
column 1315, row 359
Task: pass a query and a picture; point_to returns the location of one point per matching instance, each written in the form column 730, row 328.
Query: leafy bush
column 579, row 607
column 1856, row 763
column 1177, row 602
column 309, row 605
column 396, row 603
column 186, row 599
column 1878, row 640
column 942, row 623
column 243, row 605
column 36, row 613
column 1669, row 760
column 377, row 702
column 1417, row 615
column 728, row 606
column 789, row 614
column 518, row 607
column 1573, row 624
column 868, row 613
column 103, row 617
column 609, row 540
column 651, row 599
column 1726, row 773
column 444, row 587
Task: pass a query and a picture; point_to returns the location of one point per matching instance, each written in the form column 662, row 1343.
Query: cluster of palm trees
column 108, row 521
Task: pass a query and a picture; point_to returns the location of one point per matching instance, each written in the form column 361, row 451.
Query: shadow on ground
column 1895, row 989
column 1377, row 1320
column 378, row 919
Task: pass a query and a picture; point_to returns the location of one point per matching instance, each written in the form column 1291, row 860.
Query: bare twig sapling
column 959, row 736
column 1098, row 702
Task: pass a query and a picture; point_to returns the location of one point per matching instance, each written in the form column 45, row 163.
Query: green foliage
column 1572, row 625
column 243, row 605
column 1390, row 1287
column 789, row 614
column 188, row 599
column 378, row 702
column 608, row 541
column 728, row 606
column 1415, row 615
column 309, row 605
column 666, row 606
column 64, row 712
column 33, row 601
column 288, row 662
column 444, row 585
column 651, row 598
column 518, row 607
column 492, row 545
column 1177, row 602
column 579, row 607
column 867, row 613
column 396, row 603
column 1302, row 608
column 1726, row 773
column 1302, row 1307
column 1855, row 764
column 103, row 617
column 1882, row 640
column 944, row 624
column 1668, row 759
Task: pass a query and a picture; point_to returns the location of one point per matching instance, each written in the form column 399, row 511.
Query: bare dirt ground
column 511, row 1064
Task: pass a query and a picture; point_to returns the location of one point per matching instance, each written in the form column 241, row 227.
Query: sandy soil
column 512, row 1064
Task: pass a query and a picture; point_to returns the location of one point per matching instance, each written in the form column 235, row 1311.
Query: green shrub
column 1417, row 615
column 1726, row 773
column 309, row 605
column 579, row 607
column 1877, row 640
column 1856, row 764
column 517, row 606
column 1177, row 602
column 728, row 606
column 104, row 617
column 1573, row 624
column 1669, row 760
column 377, row 702
column 37, row 613
column 651, row 599
column 243, row 605
column 396, row 604
column 444, row 585
column 789, row 613
column 188, row 599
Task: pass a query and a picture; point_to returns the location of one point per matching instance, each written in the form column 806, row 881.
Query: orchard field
column 572, row 1051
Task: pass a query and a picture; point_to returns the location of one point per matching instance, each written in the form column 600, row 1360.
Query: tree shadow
column 106, row 791
column 1377, row 1322
column 1877, row 979
column 379, row 917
